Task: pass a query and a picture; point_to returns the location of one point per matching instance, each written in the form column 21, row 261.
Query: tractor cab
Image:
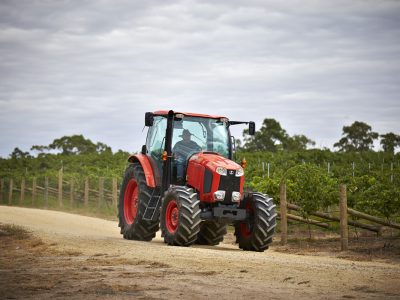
column 185, row 181
column 190, row 134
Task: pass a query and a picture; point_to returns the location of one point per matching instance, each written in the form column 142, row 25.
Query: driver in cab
column 182, row 150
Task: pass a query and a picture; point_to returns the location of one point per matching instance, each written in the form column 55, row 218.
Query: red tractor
column 185, row 181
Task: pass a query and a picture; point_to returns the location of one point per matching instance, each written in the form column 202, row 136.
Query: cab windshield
column 209, row 134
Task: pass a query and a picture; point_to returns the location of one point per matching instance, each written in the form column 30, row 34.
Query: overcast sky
column 95, row 67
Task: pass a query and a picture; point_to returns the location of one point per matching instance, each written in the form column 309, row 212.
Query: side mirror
column 252, row 128
column 148, row 119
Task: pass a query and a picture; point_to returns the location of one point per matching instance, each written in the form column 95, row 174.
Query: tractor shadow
column 220, row 247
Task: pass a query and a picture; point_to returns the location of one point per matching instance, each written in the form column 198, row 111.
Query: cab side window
column 220, row 139
column 156, row 138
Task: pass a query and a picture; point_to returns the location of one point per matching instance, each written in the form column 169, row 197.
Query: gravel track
column 200, row 272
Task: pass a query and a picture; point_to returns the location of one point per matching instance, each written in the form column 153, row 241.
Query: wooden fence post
column 86, row 200
column 344, row 234
column 33, row 190
column 114, row 191
column 10, row 191
column 46, row 192
column 60, row 187
column 22, row 194
column 101, row 192
column 71, row 190
column 283, row 210
column 1, row 190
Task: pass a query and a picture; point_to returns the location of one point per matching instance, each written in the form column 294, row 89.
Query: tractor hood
column 212, row 160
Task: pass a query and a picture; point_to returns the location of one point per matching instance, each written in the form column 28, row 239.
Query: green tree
column 72, row 145
column 390, row 141
column 75, row 144
column 39, row 148
column 101, row 147
column 297, row 143
column 270, row 137
column 18, row 153
column 356, row 137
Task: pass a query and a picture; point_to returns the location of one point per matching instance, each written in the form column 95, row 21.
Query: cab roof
column 165, row 112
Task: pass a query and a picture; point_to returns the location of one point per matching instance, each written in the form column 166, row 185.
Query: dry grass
column 14, row 231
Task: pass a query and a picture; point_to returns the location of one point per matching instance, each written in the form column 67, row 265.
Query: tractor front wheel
column 255, row 233
column 180, row 216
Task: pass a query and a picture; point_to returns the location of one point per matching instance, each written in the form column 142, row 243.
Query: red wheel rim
column 131, row 199
column 172, row 216
column 246, row 228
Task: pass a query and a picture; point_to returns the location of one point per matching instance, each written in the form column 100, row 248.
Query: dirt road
column 83, row 257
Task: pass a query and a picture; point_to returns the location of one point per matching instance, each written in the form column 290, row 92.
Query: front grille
column 229, row 184
column 207, row 182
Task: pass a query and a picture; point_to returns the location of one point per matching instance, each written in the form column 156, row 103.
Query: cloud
column 95, row 67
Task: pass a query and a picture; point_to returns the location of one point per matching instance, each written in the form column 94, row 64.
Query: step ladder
column 152, row 211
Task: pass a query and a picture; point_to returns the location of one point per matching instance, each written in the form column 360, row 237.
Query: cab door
column 155, row 144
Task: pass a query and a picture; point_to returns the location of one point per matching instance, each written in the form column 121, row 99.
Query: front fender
column 146, row 165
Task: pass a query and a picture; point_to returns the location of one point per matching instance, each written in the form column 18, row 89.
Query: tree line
column 66, row 145
column 357, row 137
column 271, row 137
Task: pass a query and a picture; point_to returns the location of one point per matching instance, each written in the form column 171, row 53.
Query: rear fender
column 146, row 165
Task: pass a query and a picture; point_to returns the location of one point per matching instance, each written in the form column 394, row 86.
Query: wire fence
column 270, row 170
column 94, row 195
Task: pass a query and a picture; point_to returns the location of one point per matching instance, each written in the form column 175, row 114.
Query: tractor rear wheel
column 180, row 216
column 211, row 233
column 255, row 233
column 134, row 198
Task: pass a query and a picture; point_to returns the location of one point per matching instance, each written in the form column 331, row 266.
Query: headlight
column 221, row 171
column 236, row 196
column 219, row 195
column 239, row 172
